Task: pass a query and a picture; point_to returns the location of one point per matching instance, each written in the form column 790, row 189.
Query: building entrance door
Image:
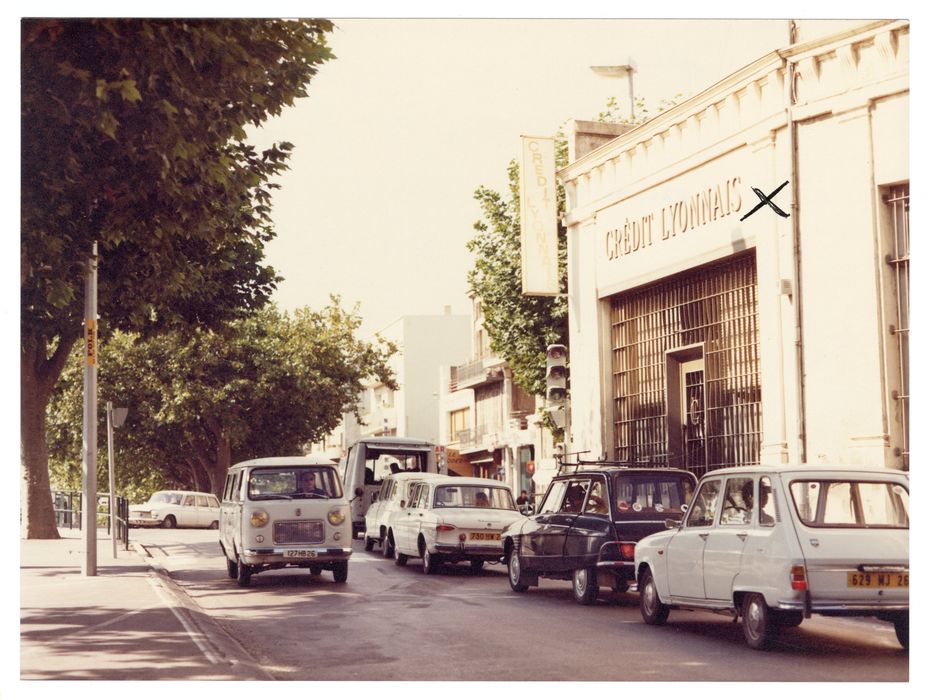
column 691, row 393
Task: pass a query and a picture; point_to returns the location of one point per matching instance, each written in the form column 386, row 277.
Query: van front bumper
column 294, row 555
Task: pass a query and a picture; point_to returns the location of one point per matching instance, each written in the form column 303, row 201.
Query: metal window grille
column 898, row 200
column 715, row 307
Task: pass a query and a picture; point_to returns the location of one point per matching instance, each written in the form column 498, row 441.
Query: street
column 393, row 623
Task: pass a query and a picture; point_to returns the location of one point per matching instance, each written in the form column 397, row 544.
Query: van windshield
column 290, row 483
column 847, row 503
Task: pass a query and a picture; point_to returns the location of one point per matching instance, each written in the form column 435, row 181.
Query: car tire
column 759, row 625
column 475, row 566
column 232, row 567
column 620, row 585
column 585, row 585
column 388, row 546
column 652, row 609
column 400, row 559
column 214, row 525
column 169, row 523
column 368, row 544
column 244, row 574
column 315, row 570
column 430, row 563
column 788, row 618
column 515, row 575
column 902, row 630
column 339, row 569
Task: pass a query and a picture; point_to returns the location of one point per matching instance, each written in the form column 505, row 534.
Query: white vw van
column 284, row 511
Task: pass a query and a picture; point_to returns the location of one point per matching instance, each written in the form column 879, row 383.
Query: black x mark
column 763, row 200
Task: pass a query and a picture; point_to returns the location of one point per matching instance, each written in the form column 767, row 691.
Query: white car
column 285, row 512
column 774, row 545
column 452, row 519
column 391, row 499
column 170, row 509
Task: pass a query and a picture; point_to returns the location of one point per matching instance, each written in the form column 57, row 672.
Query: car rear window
column 287, row 483
column 471, row 496
column 849, row 503
column 649, row 495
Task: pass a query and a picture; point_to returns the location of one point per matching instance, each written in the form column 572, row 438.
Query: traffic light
column 556, row 374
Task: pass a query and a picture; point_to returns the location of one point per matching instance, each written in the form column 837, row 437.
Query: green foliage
column 271, row 383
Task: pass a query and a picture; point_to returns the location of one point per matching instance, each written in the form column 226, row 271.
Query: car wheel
column 368, row 543
column 244, row 574
column 585, row 585
column 232, row 567
column 758, row 624
column 902, row 630
column 340, row 572
column 620, row 585
column 400, row 559
column 315, row 570
column 430, row 562
column 652, row 609
column 515, row 578
column 169, row 523
column 475, row 566
column 389, row 546
column 214, row 525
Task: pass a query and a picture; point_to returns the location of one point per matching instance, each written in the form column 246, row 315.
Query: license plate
column 876, row 580
column 300, row 554
column 485, row 536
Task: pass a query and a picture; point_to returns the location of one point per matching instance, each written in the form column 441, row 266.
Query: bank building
column 739, row 266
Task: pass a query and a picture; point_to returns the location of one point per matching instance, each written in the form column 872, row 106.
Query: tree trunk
column 38, row 375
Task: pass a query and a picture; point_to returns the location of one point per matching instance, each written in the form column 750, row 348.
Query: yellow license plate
column 878, row 580
column 300, row 554
column 485, row 536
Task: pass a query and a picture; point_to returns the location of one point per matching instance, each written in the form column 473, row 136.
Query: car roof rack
column 564, row 466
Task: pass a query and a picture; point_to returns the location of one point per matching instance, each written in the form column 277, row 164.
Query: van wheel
column 475, row 566
column 169, row 523
column 388, row 546
column 758, row 625
column 244, row 574
column 651, row 608
column 902, row 630
column 231, row 566
column 368, row 543
column 315, row 570
column 585, row 585
column 339, row 569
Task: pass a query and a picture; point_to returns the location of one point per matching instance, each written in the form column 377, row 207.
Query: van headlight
column 336, row 516
column 259, row 518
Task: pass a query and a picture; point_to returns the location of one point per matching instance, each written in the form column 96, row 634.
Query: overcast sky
column 414, row 115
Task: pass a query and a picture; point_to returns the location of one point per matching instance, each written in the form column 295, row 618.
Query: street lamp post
column 627, row 69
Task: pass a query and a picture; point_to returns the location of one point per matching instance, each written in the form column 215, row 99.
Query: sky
column 414, row 115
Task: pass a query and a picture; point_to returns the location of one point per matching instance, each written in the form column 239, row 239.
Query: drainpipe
column 798, row 290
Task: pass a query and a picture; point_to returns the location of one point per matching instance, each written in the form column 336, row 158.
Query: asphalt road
column 393, row 623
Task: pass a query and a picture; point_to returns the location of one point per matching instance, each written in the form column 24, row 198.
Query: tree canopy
column 266, row 385
column 133, row 137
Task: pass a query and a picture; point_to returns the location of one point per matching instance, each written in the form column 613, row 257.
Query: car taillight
column 627, row 550
column 798, row 578
column 445, row 528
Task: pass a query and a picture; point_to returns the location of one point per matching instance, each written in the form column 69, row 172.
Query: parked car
column 774, row 545
column 588, row 524
column 392, row 498
column 170, row 509
column 285, row 511
column 452, row 519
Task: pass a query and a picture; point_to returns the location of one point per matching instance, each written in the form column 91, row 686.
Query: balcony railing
column 475, row 372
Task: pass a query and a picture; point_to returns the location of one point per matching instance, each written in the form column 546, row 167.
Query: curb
column 213, row 640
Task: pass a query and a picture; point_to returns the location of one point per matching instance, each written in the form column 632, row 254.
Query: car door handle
column 703, row 535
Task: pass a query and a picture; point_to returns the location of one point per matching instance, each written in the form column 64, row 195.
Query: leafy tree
column 266, row 385
column 133, row 137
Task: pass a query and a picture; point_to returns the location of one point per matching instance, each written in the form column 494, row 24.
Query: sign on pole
column 539, row 243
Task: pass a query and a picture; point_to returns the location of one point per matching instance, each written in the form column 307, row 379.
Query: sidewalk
column 129, row 622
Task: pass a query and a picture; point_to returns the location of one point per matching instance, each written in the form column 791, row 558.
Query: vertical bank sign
column 539, row 251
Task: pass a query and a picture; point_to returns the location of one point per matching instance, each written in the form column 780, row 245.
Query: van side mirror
column 358, row 492
column 672, row 524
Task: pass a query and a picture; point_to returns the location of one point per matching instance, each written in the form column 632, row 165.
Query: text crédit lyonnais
column 704, row 207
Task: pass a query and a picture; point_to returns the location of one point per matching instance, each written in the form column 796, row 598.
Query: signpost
column 88, row 515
